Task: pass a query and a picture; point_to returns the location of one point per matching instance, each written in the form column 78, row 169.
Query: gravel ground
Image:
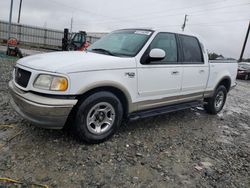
column 183, row 149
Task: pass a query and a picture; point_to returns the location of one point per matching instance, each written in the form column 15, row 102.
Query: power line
column 214, row 22
column 87, row 11
column 203, row 11
column 221, row 22
column 206, row 24
column 237, row 11
column 152, row 17
column 210, row 23
column 178, row 14
column 114, row 20
column 215, row 25
column 218, row 8
column 172, row 9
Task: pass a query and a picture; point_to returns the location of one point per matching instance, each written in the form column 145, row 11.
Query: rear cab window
column 191, row 50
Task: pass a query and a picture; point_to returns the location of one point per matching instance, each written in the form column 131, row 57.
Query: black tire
column 211, row 103
column 19, row 53
column 81, row 127
column 71, row 47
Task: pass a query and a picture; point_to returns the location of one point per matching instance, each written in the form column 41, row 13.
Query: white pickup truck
column 127, row 74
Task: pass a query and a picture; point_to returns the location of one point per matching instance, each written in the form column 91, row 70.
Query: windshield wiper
column 103, row 50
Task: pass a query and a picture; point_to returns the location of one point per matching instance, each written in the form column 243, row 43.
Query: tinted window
column 78, row 38
column 166, row 42
column 191, row 50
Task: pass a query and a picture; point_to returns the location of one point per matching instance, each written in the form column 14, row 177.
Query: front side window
column 121, row 43
column 192, row 53
column 166, row 42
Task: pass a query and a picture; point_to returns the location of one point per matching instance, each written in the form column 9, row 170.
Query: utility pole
column 19, row 13
column 10, row 18
column 245, row 42
column 71, row 24
column 185, row 21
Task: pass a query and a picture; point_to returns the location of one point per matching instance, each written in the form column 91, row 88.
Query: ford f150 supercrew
column 127, row 74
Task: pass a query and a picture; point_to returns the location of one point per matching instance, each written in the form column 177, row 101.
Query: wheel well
column 225, row 82
column 117, row 92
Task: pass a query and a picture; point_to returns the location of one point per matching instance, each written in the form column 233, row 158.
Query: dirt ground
column 183, row 149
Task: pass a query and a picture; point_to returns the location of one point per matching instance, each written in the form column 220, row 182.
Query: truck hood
column 70, row 62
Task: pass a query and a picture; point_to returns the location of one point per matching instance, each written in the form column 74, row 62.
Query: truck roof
column 160, row 30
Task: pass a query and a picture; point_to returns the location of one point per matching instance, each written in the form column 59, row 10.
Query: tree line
column 214, row 56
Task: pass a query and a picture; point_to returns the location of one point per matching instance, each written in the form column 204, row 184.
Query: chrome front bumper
column 42, row 111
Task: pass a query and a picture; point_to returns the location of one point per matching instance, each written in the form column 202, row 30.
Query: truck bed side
column 219, row 70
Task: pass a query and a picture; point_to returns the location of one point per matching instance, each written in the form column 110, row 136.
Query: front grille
column 22, row 77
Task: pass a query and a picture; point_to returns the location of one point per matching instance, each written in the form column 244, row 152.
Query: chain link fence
column 38, row 36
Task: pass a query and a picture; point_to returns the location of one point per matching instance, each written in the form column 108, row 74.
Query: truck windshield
column 121, row 43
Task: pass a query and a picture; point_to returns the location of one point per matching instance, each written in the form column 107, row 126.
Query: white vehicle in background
column 127, row 74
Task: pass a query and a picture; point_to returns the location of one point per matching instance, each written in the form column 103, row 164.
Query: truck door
column 159, row 81
column 195, row 68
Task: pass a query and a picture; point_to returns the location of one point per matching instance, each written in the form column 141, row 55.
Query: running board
column 163, row 110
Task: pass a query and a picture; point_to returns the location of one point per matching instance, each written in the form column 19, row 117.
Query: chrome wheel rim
column 219, row 99
column 100, row 118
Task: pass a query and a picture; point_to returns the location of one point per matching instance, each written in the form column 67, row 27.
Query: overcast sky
column 221, row 23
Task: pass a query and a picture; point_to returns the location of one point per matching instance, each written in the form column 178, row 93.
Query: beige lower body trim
column 208, row 93
column 144, row 105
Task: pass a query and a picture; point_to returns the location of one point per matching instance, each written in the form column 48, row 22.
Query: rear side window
column 192, row 53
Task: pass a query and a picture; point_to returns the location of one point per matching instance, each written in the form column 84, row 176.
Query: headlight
column 50, row 82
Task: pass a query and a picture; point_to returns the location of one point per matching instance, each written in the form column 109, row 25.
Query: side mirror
column 157, row 54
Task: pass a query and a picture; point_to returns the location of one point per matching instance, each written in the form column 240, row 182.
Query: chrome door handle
column 201, row 71
column 175, row 72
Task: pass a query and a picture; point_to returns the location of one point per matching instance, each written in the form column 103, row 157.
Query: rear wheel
column 98, row 117
column 215, row 104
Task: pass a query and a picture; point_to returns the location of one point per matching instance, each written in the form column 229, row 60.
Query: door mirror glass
column 157, row 54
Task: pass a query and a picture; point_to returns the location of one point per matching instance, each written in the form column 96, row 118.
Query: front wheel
column 215, row 104
column 98, row 117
